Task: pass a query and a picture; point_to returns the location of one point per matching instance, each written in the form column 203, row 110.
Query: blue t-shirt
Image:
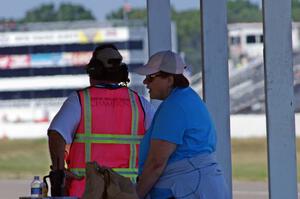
column 182, row 118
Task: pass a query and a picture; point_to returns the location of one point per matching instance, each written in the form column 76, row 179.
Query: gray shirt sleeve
column 149, row 111
column 67, row 118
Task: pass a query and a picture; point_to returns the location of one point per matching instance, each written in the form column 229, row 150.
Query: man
column 102, row 123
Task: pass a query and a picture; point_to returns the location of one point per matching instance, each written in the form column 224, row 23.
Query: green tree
column 65, row 12
column 187, row 26
column 243, row 11
column 135, row 14
column 44, row 13
column 296, row 10
column 70, row 12
column 188, row 34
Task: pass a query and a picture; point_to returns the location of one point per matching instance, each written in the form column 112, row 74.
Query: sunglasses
column 151, row 77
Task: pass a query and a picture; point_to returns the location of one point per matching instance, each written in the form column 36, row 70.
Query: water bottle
column 36, row 187
column 44, row 190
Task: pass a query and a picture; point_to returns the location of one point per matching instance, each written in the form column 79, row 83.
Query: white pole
column 215, row 76
column 279, row 99
column 159, row 25
column 159, row 29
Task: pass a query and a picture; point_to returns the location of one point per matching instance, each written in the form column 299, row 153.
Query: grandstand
column 42, row 63
column 247, row 87
column 246, row 72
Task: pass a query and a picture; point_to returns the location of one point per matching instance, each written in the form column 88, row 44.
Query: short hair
column 179, row 79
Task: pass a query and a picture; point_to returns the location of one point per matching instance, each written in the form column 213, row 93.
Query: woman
column 177, row 153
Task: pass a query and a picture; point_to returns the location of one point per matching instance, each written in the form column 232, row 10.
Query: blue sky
column 17, row 8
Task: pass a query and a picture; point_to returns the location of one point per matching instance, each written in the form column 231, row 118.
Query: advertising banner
column 19, row 61
column 4, row 61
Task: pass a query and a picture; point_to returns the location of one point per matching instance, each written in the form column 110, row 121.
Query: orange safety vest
column 109, row 132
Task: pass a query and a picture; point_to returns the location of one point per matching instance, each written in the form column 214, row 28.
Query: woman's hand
column 157, row 159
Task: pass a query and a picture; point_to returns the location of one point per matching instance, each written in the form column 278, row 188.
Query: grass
column 249, row 159
column 22, row 159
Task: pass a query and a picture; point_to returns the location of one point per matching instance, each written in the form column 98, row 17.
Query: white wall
column 253, row 125
column 242, row 126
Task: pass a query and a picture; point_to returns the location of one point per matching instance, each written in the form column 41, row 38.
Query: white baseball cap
column 166, row 61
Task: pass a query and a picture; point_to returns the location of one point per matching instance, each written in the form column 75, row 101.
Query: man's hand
column 57, row 180
column 60, row 180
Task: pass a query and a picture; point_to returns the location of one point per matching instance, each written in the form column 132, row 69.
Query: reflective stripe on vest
column 134, row 126
column 87, row 123
column 88, row 137
column 109, row 138
column 127, row 172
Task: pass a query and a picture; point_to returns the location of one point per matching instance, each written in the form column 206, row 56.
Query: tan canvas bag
column 103, row 183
